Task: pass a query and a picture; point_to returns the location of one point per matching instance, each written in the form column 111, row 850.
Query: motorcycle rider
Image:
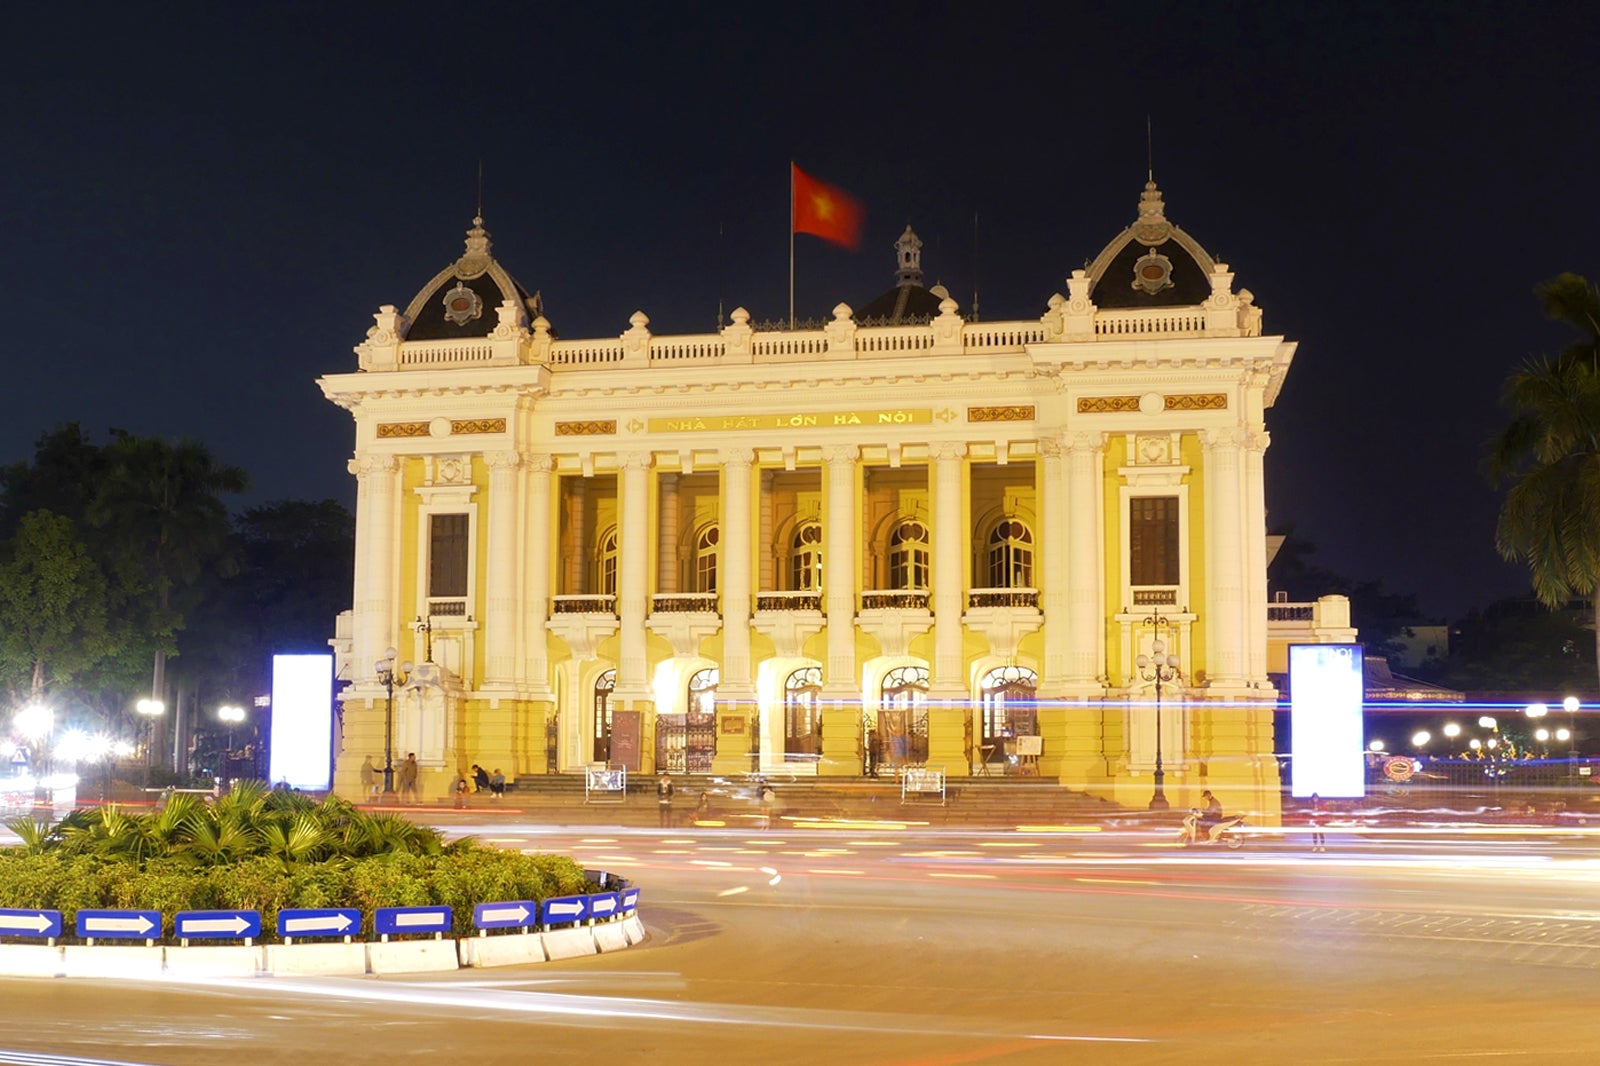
column 1210, row 817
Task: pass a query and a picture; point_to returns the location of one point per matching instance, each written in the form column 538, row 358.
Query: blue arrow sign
column 312, row 921
column 561, row 909
column 513, row 915
column 603, row 905
column 30, row 923
column 393, row 920
column 127, row 925
column 217, row 925
column 629, row 898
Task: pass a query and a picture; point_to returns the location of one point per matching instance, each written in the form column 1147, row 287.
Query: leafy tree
column 1550, row 452
column 53, row 600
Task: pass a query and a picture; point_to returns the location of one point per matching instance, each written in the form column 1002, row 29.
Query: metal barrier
column 922, row 781
column 608, row 783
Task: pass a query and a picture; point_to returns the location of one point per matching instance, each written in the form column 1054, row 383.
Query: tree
column 164, row 502
column 1550, row 451
column 52, row 608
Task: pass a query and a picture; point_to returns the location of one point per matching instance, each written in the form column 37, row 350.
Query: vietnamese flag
column 825, row 211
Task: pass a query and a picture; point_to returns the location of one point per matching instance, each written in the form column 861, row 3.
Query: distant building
column 755, row 548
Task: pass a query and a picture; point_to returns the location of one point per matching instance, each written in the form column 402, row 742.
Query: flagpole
column 791, row 244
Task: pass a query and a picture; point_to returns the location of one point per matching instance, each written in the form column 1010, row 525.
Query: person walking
column 369, row 779
column 664, row 800
column 1315, row 815
column 408, row 779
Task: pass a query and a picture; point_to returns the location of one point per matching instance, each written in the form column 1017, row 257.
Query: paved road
column 939, row 948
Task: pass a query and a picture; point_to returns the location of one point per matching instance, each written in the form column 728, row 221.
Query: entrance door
column 802, row 732
column 603, row 686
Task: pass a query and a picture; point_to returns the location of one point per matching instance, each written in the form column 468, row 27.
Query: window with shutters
column 1153, row 540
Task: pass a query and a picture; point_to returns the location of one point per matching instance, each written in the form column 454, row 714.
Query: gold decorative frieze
column 1197, row 401
column 1017, row 413
column 402, row 429
column 798, row 420
column 1100, row 405
column 477, row 425
column 593, row 428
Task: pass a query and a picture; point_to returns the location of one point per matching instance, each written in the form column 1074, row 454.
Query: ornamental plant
column 263, row 849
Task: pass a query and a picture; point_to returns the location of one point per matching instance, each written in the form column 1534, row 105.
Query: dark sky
column 202, row 205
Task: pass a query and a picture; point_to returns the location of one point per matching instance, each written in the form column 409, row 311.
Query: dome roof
column 908, row 302
column 1152, row 263
column 461, row 299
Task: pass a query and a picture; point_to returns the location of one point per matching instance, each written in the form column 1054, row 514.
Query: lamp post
column 1160, row 668
column 231, row 715
column 387, row 668
column 1571, row 705
column 149, row 710
column 36, row 722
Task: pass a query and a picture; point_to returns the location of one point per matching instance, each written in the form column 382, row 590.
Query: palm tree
column 1551, row 453
column 163, row 501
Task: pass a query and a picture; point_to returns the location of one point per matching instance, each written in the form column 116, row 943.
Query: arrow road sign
column 511, row 915
column 629, row 898
column 129, row 925
column 388, row 920
column 217, row 925
column 30, row 923
column 559, row 909
column 306, row 921
column 603, row 905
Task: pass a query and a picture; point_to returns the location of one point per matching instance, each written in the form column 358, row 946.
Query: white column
column 633, row 592
column 737, row 560
column 949, row 575
column 667, row 534
column 1085, row 564
column 377, row 537
column 500, row 614
column 1255, row 543
column 1225, row 598
column 578, row 546
column 1051, row 576
column 839, row 572
column 536, row 600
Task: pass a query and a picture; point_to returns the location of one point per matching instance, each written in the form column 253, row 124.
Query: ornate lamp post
column 1160, row 668
column 387, row 669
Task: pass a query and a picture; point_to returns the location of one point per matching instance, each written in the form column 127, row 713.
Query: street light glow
column 1452, row 730
column 1421, row 737
column 34, row 721
column 1536, row 710
column 1487, row 723
column 1571, row 705
column 1375, row 745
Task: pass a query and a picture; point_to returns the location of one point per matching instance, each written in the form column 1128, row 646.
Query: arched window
column 1011, row 555
column 904, row 688
column 805, row 558
column 603, row 686
column 703, row 691
column 1006, row 696
column 908, row 556
column 605, row 564
column 705, row 560
column 902, row 726
column 802, row 711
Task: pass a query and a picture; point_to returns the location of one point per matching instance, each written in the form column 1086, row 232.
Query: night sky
column 202, row 205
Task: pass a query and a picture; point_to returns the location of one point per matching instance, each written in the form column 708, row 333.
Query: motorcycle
column 1225, row 832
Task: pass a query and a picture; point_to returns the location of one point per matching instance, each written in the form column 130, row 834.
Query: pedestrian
column 369, row 779
column 408, row 779
column 462, row 791
column 769, row 804
column 497, row 784
column 664, row 800
column 1314, row 815
column 702, row 810
column 480, row 778
column 874, row 752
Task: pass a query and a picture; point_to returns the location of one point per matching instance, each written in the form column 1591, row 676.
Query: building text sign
column 900, row 416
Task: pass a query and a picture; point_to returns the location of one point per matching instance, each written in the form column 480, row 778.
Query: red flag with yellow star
column 826, row 211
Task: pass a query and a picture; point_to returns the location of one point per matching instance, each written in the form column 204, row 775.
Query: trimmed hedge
column 86, row 860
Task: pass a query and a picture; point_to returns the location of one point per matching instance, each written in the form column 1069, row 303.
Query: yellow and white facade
column 764, row 548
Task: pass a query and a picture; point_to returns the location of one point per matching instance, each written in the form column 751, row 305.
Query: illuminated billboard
column 302, row 721
column 1327, row 740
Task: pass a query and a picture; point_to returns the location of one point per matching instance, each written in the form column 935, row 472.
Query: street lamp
column 35, row 722
column 232, row 715
column 1162, row 669
column 149, row 710
column 386, row 668
column 1571, row 705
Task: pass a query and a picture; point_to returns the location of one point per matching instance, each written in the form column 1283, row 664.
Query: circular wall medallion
column 462, row 305
column 1151, row 403
column 439, row 427
column 1152, row 272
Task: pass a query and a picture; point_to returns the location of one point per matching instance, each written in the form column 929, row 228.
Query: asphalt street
column 881, row 944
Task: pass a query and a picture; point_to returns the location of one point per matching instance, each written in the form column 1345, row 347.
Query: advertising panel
column 1327, row 739
column 302, row 721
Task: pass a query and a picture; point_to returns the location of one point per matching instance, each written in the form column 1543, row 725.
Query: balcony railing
column 605, row 604
column 880, row 600
column 447, row 607
column 684, row 602
column 806, row 600
column 1002, row 598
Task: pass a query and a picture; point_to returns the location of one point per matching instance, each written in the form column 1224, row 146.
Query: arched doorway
column 802, row 714
column 687, row 743
column 603, row 687
column 1007, row 710
column 902, row 724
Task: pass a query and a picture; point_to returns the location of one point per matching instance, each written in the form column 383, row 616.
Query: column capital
column 1225, row 437
column 738, row 457
column 503, row 460
column 634, row 460
column 372, row 463
column 541, row 463
column 944, row 450
column 1082, row 441
column 1049, row 447
column 841, row 453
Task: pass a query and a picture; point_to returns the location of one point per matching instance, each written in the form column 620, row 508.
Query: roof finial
column 480, row 188
column 1149, row 151
column 909, row 251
